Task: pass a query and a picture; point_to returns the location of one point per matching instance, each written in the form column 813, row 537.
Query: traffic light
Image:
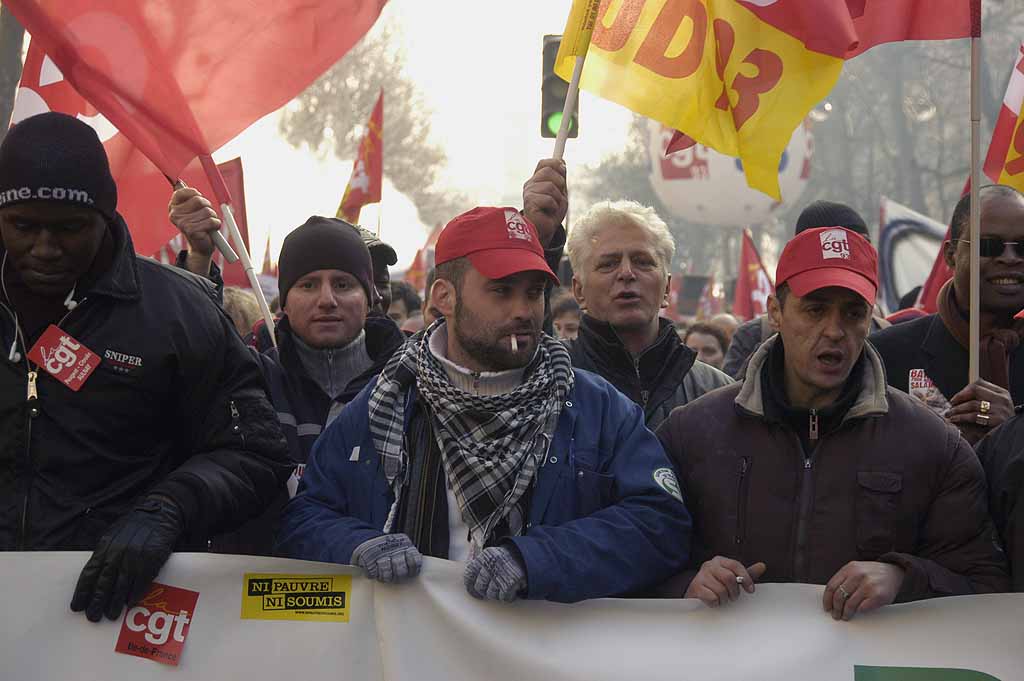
column 552, row 93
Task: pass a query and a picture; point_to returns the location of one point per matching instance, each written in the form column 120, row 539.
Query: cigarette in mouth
column 515, row 343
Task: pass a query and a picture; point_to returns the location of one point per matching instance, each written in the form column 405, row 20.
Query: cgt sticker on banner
column 309, row 598
column 157, row 627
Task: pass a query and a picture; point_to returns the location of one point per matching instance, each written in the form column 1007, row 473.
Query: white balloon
column 703, row 186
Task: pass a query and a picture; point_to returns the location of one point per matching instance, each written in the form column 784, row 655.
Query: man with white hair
column 621, row 253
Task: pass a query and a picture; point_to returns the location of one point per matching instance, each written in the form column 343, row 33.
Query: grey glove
column 389, row 558
column 497, row 574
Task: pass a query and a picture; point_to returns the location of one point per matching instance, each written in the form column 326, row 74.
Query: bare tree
column 331, row 114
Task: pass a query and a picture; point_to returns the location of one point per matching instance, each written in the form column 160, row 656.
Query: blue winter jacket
column 606, row 517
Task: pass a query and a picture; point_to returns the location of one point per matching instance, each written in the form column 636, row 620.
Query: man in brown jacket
column 812, row 470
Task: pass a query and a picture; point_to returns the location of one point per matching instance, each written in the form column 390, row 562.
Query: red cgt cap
column 499, row 242
column 829, row 256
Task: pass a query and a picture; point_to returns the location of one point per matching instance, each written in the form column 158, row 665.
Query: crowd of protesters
column 562, row 443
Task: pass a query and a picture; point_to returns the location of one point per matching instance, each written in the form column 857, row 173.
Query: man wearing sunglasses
column 928, row 357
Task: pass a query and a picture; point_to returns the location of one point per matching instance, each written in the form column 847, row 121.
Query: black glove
column 127, row 558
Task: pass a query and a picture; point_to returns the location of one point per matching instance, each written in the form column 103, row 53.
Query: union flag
column 367, row 178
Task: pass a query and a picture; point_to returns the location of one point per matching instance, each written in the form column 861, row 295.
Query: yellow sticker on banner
column 307, row 598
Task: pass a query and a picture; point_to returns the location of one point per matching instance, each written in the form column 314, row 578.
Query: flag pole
column 571, row 100
column 224, row 197
column 974, row 372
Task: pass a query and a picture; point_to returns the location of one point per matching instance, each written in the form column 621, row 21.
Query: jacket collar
column 121, row 279
column 871, row 399
column 606, row 344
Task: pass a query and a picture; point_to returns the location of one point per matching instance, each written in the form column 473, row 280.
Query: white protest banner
column 430, row 629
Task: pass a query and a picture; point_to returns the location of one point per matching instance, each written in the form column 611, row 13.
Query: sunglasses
column 993, row 246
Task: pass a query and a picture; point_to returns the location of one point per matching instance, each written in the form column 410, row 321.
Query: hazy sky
column 477, row 65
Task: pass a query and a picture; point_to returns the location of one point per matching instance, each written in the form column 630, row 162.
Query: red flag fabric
column 367, row 179
column 181, row 79
column 846, row 28
column 423, row 262
column 269, row 268
column 940, row 274
column 143, row 191
column 754, row 284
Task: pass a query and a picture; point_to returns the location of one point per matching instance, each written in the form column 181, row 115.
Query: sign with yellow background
column 309, row 598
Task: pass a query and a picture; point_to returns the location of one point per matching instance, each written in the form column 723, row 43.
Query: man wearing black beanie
column 752, row 333
column 133, row 420
column 328, row 345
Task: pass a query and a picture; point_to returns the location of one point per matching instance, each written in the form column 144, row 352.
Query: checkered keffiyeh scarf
column 489, row 444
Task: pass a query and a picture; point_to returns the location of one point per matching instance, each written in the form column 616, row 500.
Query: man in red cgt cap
column 813, row 470
column 479, row 443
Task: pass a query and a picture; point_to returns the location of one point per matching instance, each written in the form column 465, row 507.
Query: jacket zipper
column 644, row 393
column 32, row 398
column 741, row 501
column 806, row 498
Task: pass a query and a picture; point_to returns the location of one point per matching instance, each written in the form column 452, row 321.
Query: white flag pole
column 974, row 371
column 569, row 110
column 250, row 273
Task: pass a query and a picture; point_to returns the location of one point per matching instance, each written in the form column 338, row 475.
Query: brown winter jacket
column 892, row 483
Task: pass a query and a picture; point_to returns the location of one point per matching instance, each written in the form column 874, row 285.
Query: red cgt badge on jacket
column 66, row 359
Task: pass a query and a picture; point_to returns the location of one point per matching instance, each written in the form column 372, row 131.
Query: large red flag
column 180, row 79
column 754, row 284
column 367, row 179
column 846, row 28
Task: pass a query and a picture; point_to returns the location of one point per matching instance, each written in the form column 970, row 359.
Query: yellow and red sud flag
column 367, row 172
column 740, row 75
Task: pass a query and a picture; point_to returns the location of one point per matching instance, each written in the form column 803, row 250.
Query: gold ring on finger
column 982, row 419
column 985, row 407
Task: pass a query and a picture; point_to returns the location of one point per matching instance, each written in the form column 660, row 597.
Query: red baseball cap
column 499, row 242
column 829, row 256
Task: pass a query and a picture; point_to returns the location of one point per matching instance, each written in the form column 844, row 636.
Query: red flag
column 423, row 262
column 367, row 172
column 269, row 267
column 754, row 284
column 847, row 28
column 181, row 79
column 940, row 274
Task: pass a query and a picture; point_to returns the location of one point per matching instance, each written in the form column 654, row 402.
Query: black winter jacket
column 664, row 376
column 176, row 406
column 1002, row 455
column 927, row 344
column 303, row 410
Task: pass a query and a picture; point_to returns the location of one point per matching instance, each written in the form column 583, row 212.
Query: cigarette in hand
column 515, row 343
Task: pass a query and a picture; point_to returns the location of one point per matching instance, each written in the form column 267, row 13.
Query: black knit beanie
column 324, row 244
column 56, row 157
column 830, row 214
